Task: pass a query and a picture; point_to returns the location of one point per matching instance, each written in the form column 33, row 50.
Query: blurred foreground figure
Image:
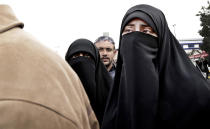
column 38, row 90
column 156, row 85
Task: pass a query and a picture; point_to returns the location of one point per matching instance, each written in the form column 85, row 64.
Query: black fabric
column 82, row 45
column 93, row 74
column 85, row 69
column 156, row 85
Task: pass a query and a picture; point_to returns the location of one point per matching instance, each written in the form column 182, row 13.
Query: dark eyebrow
column 130, row 25
column 100, row 48
column 146, row 26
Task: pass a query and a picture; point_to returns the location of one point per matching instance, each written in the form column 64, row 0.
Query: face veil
column 156, row 85
column 92, row 73
column 85, row 69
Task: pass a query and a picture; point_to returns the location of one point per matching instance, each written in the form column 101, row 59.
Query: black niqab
column 85, row 69
column 156, row 85
column 92, row 73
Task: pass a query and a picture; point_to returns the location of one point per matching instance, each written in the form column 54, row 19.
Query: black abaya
column 156, row 85
column 93, row 74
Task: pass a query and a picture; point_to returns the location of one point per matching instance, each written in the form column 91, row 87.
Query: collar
column 113, row 68
column 7, row 19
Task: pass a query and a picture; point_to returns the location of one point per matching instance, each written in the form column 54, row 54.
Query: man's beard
column 108, row 65
column 107, row 61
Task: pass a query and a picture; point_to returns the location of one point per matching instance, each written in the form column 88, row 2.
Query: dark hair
column 104, row 38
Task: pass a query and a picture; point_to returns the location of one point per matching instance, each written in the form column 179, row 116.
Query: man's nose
column 104, row 52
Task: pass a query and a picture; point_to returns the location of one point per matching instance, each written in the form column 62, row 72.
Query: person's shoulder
column 21, row 114
column 31, row 64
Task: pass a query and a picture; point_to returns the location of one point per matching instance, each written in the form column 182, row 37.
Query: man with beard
column 106, row 47
column 156, row 85
column 84, row 58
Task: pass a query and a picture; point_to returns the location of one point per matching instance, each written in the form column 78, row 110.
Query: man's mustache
column 105, row 58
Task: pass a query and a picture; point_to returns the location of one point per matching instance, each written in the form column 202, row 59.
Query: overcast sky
column 57, row 23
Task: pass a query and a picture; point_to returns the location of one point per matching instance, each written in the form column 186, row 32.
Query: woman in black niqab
column 92, row 73
column 156, row 85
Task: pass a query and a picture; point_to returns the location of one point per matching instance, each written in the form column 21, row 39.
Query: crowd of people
column 152, row 85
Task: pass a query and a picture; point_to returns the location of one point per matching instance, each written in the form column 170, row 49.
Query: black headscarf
column 93, row 74
column 156, row 85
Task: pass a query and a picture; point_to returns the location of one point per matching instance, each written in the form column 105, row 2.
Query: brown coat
column 38, row 89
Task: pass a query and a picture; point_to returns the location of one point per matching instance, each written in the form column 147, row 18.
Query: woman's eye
column 150, row 32
column 86, row 55
column 74, row 56
column 147, row 30
column 127, row 30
